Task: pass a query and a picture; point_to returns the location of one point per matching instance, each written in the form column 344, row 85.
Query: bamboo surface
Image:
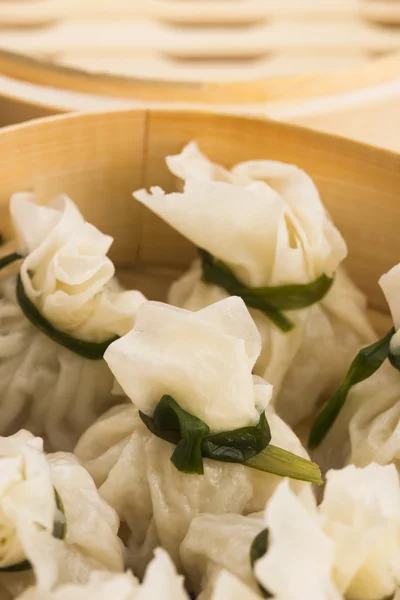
column 215, row 40
column 370, row 114
column 99, row 159
column 328, row 65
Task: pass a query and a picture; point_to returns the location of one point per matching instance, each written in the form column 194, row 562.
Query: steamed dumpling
column 228, row 586
column 30, row 514
column 161, row 582
column 67, row 276
column 348, row 547
column 265, row 221
column 113, row 451
column 203, row 360
column 217, row 542
column 368, row 427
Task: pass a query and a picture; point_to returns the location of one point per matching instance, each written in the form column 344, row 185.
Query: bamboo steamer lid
column 99, row 159
column 361, row 103
column 327, row 64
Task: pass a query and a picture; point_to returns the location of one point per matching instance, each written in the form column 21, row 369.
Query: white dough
column 368, row 426
column 228, row 586
column 161, row 582
column 265, row 220
column 28, row 482
column 217, row 542
column 204, row 361
column 45, row 387
column 348, row 547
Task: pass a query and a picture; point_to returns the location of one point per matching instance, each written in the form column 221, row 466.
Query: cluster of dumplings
column 159, row 450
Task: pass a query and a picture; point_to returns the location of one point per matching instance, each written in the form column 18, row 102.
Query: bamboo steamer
column 361, row 103
column 328, row 65
column 258, row 90
column 99, row 159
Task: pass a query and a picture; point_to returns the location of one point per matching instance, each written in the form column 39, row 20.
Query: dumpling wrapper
column 300, row 556
column 161, row 581
column 28, row 512
column 66, row 272
column 215, row 543
column 265, row 220
column 360, row 513
column 45, row 387
column 204, row 361
column 229, row 586
column 368, row 427
column 352, row 547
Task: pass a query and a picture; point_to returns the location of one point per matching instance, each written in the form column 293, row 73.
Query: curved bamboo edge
column 96, row 157
column 27, row 69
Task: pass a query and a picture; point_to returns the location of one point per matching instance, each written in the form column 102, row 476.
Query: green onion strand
column 249, row 446
column 365, row 364
column 89, row 350
column 9, row 259
column 258, row 549
column 269, row 300
column 286, row 464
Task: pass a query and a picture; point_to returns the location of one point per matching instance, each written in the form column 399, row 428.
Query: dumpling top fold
column 390, row 284
column 348, row 545
column 26, row 494
column 161, row 582
column 264, row 219
column 203, row 359
column 66, row 272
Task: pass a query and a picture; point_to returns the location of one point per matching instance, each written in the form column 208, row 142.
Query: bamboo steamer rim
column 100, row 158
column 24, row 68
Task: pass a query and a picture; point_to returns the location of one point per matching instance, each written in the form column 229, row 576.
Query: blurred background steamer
column 331, row 65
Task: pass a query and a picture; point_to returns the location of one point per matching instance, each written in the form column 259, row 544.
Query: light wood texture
column 242, row 11
column 167, row 68
column 370, row 114
column 359, row 104
column 386, row 12
column 301, row 87
column 99, row 159
column 240, row 39
column 29, row 12
column 144, row 37
column 371, row 120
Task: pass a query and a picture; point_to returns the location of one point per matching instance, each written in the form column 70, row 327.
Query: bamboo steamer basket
column 361, row 103
column 99, row 159
column 231, row 55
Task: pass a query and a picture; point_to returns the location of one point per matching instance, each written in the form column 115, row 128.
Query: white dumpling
column 228, row 586
column 66, row 274
column 300, row 556
column 204, row 361
column 265, row 220
column 217, row 542
column 161, row 582
column 360, row 513
column 29, row 482
column 348, row 547
column 368, row 427
column 113, row 451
